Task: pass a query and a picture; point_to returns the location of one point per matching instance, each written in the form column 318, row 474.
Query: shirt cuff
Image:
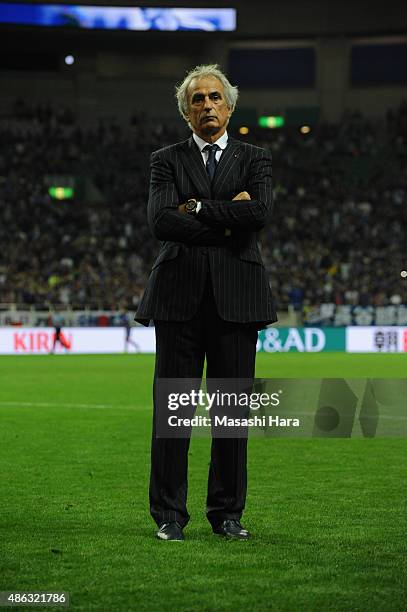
column 198, row 207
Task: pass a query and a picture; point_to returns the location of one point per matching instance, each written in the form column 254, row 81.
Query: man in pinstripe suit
column 208, row 293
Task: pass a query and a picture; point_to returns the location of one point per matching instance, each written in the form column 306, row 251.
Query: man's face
column 208, row 112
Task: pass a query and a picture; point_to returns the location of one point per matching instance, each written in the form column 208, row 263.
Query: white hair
column 213, row 70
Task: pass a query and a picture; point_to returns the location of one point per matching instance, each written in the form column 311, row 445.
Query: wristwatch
column 192, row 206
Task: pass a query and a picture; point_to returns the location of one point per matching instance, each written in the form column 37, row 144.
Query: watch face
column 190, row 205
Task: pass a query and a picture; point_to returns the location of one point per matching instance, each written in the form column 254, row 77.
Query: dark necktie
column 211, row 163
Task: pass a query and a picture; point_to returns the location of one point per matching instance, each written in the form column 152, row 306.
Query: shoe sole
column 229, row 536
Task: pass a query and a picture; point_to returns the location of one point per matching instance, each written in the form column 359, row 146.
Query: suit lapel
column 192, row 161
column 228, row 160
column 193, row 164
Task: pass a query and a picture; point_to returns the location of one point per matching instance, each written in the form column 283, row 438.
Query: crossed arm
column 214, row 224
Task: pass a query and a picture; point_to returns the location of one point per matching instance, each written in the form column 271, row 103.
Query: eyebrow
column 201, row 95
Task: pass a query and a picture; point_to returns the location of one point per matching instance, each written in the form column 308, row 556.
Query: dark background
column 338, row 232
column 330, row 55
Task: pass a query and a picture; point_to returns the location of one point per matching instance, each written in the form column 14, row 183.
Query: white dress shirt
column 221, row 142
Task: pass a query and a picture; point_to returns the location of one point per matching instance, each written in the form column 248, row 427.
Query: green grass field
column 328, row 516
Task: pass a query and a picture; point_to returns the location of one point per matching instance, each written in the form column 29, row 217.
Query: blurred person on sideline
column 58, row 321
column 126, row 323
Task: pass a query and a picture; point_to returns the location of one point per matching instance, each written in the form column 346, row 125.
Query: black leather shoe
column 170, row 531
column 231, row 528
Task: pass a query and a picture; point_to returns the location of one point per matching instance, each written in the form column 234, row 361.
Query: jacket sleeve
column 245, row 215
column 164, row 219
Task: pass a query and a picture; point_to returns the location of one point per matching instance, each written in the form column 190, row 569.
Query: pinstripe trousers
column 181, row 348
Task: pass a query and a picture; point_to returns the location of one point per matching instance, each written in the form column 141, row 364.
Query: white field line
column 65, row 405
column 134, row 407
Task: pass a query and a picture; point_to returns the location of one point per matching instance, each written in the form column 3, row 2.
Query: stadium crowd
column 337, row 233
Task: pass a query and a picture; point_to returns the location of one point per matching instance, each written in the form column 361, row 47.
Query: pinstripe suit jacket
column 192, row 243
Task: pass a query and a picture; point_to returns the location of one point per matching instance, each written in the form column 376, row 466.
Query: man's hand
column 181, row 209
column 243, row 195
